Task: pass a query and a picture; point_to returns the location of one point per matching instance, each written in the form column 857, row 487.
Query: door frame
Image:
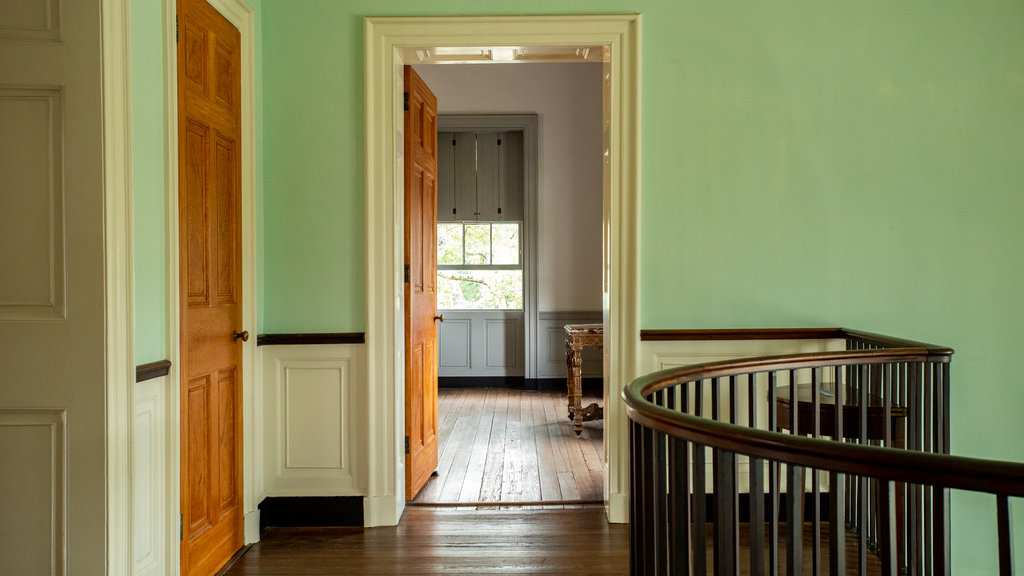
column 384, row 40
column 241, row 16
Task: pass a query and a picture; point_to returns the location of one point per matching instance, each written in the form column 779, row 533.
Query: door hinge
column 175, row 28
column 406, row 444
column 181, row 528
column 407, row 273
column 406, row 105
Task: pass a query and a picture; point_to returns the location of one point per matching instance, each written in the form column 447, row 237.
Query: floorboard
column 506, row 446
column 429, row 541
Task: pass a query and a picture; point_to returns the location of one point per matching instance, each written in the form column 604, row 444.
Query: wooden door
column 420, row 283
column 209, row 206
column 53, row 304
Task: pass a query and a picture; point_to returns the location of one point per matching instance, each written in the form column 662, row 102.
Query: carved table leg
column 574, row 362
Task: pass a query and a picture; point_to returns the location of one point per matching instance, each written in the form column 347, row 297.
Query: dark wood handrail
column 825, row 333
column 975, row 474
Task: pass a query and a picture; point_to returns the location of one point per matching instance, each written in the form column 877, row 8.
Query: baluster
column 837, row 490
column 815, row 485
column 636, row 481
column 928, row 425
column 794, row 519
column 916, row 520
column 700, row 509
column 773, row 478
column 862, row 491
column 659, row 493
column 794, row 490
column 887, row 527
column 726, row 524
column 756, row 487
column 1004, row 520
column 647, row 499
column 679, row 492
column 940, row 496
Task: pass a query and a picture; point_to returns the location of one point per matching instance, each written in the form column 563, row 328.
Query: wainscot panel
column 551, row 344
column 149, row 486
column 313, row 410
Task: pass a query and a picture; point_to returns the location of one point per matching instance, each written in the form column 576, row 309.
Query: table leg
column 574, row 362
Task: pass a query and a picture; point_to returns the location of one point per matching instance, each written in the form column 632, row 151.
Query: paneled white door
column 52, row 355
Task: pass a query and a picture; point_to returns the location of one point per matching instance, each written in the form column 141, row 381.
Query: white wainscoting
column 481, row 343
column 313, row 411
column 661, row 355
column 32, row 490
column 149, row 486
column 551, row 344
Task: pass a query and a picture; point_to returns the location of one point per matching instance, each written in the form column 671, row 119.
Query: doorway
column 519, row 247
column 386, row 39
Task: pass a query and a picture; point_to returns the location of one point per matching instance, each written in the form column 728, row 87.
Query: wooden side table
column 578, row 337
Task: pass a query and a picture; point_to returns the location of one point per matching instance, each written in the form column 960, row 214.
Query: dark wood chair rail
column 827, row 333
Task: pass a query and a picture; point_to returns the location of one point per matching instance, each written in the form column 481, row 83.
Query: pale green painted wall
column 149, row 153
column 149, row 171
column 804, row 163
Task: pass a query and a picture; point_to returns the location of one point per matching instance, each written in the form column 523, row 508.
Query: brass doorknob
column 244, row 335
column 439, row 318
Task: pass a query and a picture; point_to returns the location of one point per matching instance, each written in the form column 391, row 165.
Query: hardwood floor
column 513, row 446
column 429, row 541
column 448, row 542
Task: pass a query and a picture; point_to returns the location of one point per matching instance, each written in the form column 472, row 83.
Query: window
column 479, row 266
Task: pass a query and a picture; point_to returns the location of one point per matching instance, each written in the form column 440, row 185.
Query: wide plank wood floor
column 429, row 541
column 502, row 445
column 447, row 541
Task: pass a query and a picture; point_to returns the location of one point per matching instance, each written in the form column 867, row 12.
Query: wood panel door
column 209, row 206
column 54, row 416
column 420, row 283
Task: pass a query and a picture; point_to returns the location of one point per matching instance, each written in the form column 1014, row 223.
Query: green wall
column 149, row 155
column 149, row 173
column 805, row 163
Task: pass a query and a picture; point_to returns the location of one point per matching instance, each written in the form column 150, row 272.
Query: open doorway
column 388, row 45
column 519, row 256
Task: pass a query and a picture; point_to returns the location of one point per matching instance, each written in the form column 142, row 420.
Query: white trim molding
column 118, row 282
column 619, row 35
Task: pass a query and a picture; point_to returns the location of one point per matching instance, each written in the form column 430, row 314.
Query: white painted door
column 52, row 391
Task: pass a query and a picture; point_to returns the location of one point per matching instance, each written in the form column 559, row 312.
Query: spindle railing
column 732, row 472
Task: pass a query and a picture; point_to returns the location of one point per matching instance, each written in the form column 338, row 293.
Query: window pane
column 480, row 289
column 478, row 243
column 506, row 243
column 449, row 243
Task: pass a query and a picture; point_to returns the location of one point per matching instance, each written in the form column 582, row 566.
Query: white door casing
column 385, row 38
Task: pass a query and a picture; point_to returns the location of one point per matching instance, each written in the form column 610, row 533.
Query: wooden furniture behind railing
column 713, row 463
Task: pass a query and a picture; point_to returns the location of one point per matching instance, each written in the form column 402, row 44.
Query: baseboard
column 311, row 511
column 514, row 382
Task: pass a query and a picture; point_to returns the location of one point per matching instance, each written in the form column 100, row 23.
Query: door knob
column 439, row 318
column 244, row 335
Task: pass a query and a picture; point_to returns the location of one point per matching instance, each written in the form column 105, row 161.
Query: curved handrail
column 957, row 472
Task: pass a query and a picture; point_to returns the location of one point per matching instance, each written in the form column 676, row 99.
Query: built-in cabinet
column 480, row 176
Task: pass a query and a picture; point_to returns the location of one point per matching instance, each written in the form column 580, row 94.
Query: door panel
column 53, row 378
column 209, row 116
column 420, row 288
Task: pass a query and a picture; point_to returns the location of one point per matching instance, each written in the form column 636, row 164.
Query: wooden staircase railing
column 721, row 483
